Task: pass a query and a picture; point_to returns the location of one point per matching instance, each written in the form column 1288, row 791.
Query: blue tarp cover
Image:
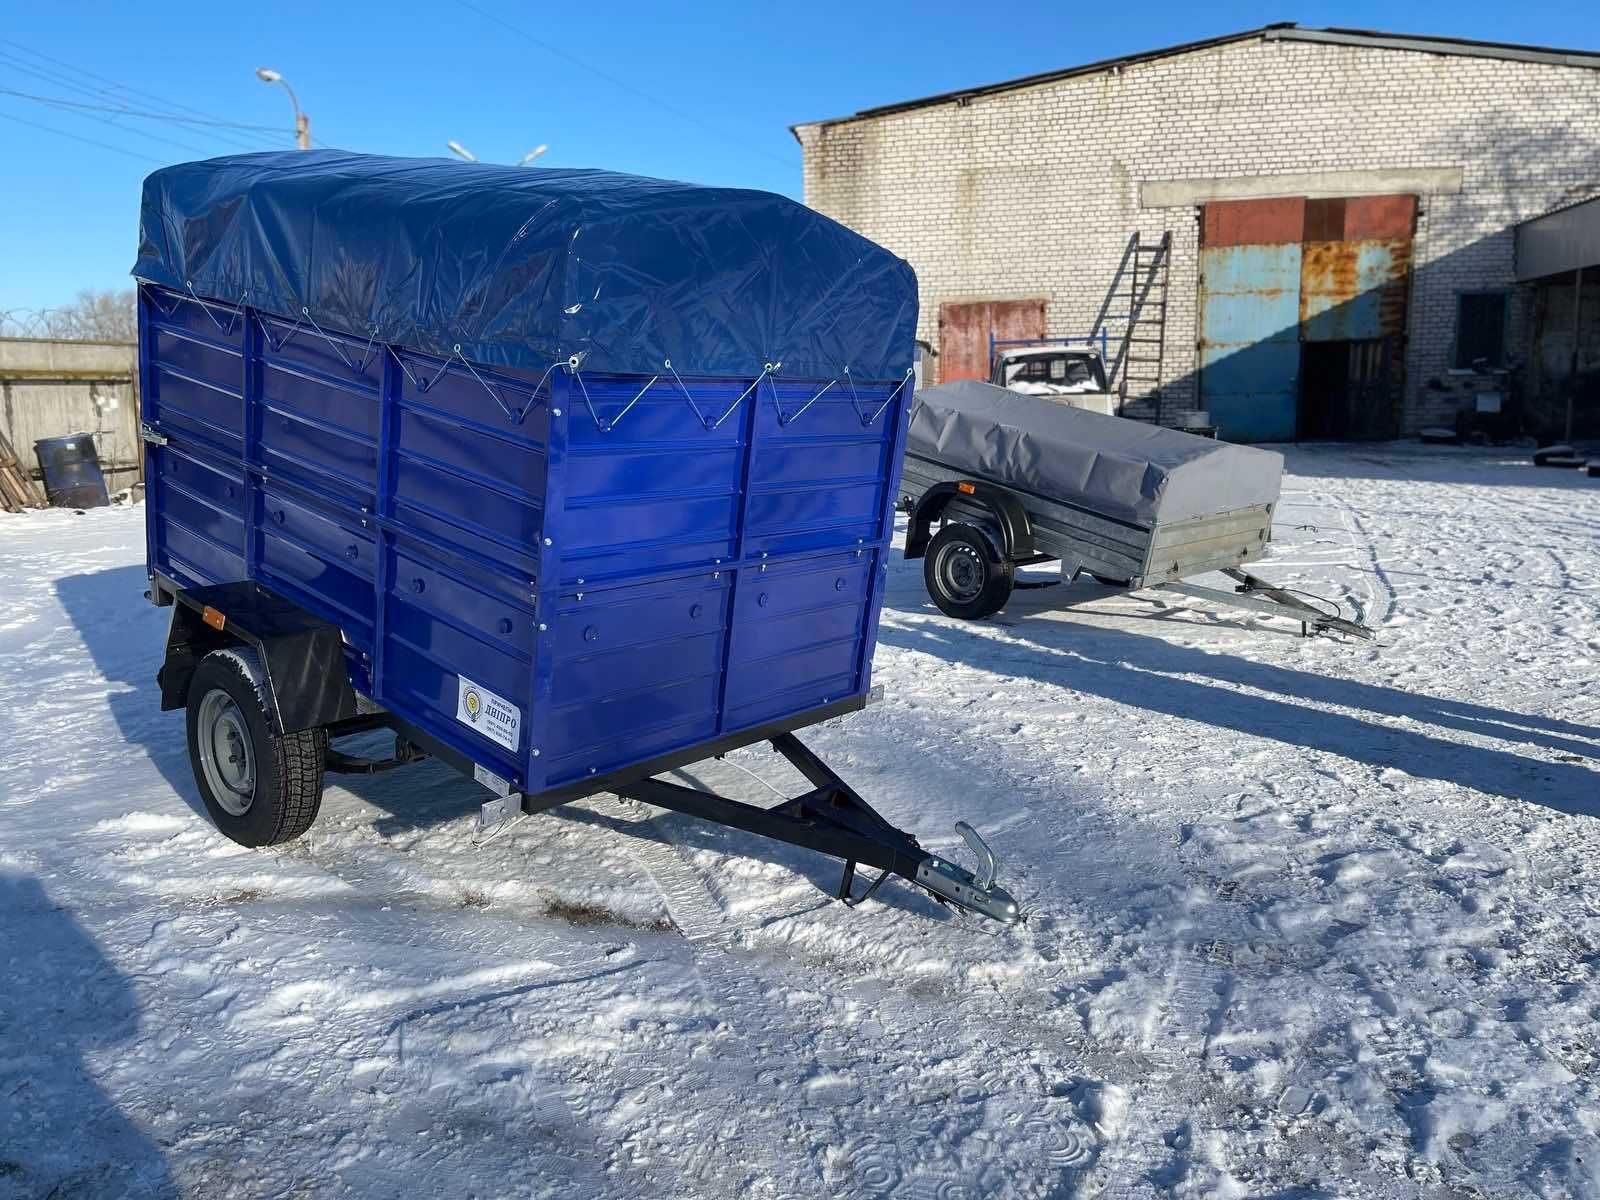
column 525, row 266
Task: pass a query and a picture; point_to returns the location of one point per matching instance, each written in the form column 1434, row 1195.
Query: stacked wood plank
column 17, row 489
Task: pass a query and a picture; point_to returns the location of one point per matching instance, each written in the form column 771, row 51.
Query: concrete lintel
column 1395, row 181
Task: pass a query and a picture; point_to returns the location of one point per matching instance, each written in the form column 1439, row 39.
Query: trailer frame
column 308, row 687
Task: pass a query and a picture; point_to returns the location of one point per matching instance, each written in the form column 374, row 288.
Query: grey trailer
column 1013, row 480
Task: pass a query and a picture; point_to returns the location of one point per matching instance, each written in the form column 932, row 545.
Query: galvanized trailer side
column 1102, row 546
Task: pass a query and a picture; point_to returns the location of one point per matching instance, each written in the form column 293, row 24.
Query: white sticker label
column 494, row 716
column 500, row 787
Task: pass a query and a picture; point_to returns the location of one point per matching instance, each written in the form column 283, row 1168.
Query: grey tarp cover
column 1123, row 469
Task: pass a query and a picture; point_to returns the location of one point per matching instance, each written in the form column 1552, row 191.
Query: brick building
column 1324, row 218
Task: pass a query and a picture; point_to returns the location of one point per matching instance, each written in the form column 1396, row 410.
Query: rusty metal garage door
column 1282, row 279
column 1354, row 281
column 1250, row 316
column 965, row 328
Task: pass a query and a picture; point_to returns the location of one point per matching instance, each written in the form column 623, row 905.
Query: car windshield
column 1065, row 369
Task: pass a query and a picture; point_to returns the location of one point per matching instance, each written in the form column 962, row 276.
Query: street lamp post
column 302, row 123
column 466, row 155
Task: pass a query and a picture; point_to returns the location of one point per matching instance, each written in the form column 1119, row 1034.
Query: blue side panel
column 463, row 498
column 818, row 475
column 621, row 567
column 648, row 485
column 1250, row 340
column 718, row 561
column 315, row 427
column 193, row 369
column 798, row 633
column 636, row 672
column 388, row 493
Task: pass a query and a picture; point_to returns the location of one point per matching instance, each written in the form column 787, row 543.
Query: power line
column 80, row 138
column 104, row 120
column 106, row 79
column 109, row 89
column 8, row 61
column 176, row 118
column 665, row 105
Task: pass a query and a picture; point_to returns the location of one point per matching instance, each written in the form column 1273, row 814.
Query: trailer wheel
column 1108, row 581
column 259, row 787
column 963, row 575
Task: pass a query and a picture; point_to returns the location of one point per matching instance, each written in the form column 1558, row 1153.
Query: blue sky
column 702, row 92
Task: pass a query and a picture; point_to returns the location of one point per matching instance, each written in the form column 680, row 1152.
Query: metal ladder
column 1141, row 283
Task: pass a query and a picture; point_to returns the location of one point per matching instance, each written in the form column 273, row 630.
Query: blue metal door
column 1250, row 261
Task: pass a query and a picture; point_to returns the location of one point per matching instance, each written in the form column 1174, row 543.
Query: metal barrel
column 71, row 466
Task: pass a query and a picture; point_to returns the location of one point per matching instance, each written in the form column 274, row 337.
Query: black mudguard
column 308, row 684
column 1004, row 508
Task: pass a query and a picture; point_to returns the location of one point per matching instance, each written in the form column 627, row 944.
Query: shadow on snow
column 1224, row 691
column 63, row 1002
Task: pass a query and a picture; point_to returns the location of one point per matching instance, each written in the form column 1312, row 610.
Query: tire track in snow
column 864, row 1167
column 1361, row 542
column 689, row 903
column 727, row 986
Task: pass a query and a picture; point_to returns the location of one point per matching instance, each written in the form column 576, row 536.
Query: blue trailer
column 567, row 477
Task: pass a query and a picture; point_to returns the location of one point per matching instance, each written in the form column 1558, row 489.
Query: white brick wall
column 1034, row 192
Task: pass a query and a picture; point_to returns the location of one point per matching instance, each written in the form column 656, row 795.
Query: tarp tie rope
column 602, row 425
column 286, row 338
column 514, row 415
column 227, row 330
column 551, row 370
column 372, row 351
column 150, row 293
column 904, row 380
column 366, row 355
column 784, row 419
column 401, row 363
column 855, row 398
column 709, row 424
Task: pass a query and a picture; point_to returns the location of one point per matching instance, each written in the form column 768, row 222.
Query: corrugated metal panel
column 1351, row 291
column 1380, row 217
column 1559, row 241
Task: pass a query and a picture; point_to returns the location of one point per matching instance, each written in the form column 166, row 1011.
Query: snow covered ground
column 1305, row 918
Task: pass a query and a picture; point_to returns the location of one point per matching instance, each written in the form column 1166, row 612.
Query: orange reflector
column 968, row 488
column 213, row 618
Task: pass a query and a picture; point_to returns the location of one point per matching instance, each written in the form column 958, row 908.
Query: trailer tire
column 964, row 575
column 261, row 788
column 1108, row 581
